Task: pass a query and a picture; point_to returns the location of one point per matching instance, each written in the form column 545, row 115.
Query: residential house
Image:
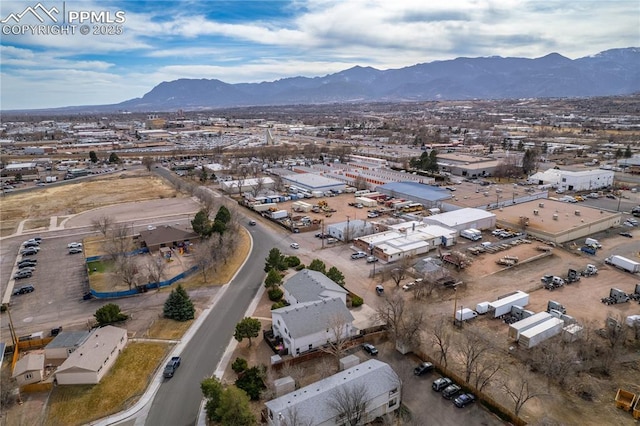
column 29, row 369
column 93, row 359
column 308, row 286
column 64, row 344
column 308, row 325
column 373, row 384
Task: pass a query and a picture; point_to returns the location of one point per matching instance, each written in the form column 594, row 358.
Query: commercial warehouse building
column 463, row 219
column 429, row 196
column 566, row 180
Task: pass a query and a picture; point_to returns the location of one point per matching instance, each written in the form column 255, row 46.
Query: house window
column 310, row 346
column 28, row 376
column 393, row 392
column 393, row 402
column 297, row 351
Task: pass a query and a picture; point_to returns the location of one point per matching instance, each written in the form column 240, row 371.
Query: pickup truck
column 171, row 367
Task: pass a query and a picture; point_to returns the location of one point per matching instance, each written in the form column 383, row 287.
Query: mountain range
column 611, row 72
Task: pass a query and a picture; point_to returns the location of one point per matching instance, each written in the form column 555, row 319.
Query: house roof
column 166, row 234
column 94, row 351
column 303, row 319
column 29, row 362
column 308, row 285
column 457, row 217
column 68, row 339
column 312, row 402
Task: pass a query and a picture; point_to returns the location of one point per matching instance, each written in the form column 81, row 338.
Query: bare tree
column 554, row 360
column 398, row 274
column 472, row 351
column 204, row 258
column 349, row 403
column 484, row 371
column 155, row 268
column 441, row 335
column 520, row 390
column 338, row 336
column 293, row 417
column 119, row 241
column 126, row 270
column 325, row 368
column 405, row 323
column 360, row 183
column 257, row 188
column 148, row 162
column 102, row 224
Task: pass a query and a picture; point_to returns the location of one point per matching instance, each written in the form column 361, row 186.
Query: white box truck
column 279, row 214
column 503, row 305
column 541, row 332
column 623, row 263
column 482, row 307
column 518, row 327
column 465, row 314
column 471, row 234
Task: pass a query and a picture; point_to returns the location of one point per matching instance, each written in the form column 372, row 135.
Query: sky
column 70, row 53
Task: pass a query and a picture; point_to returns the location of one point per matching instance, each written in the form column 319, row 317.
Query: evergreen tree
column 212, row 390
column 201, row 224
column 178, row 305
column 247, row 328
column 234, row 408
column 432, row 166
column 113, row 158
column 203, row 174
column 223, row 215
column 109, row 314
column 318, row 265
column 627, row 152
column 335, row 275
column 275, row 260
column 529, row 161
column 93, row 157
column 252, row 382
column 273, row 279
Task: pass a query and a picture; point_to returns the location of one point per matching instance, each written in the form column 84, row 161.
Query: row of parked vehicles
column 445, row 385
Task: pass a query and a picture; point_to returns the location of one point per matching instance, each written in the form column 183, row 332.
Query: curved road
column 177, row 401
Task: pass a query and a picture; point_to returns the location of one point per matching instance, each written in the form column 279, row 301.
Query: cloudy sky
column 253, row 41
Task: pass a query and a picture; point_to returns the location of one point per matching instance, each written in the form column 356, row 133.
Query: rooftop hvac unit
column 555, row 216
column 577, row 212
column 536, row 212
column 541, row 205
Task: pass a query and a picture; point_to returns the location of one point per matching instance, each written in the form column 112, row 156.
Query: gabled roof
column 166, row 234
column 29, row 362
column 312, row 402
column 68, row 339
column 94, row 351
column 308, row 285
column 304, row 319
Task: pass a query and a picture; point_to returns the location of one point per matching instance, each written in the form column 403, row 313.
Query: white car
column 74, row 245
column 294, row 246
column 408, row 286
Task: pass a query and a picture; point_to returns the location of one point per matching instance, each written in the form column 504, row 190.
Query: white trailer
column 471, row 234
column 279, row 214
column 367, row 202
column 503, row 305
column 264, row 207
column 518, row 327
column 301, row 206
column 465, row 314
column 623, row 263
column 541, row 332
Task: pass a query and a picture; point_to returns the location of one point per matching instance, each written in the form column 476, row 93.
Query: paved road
column 178, row 400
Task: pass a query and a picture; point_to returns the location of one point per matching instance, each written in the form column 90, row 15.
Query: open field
column 164, row 328
column 63, row 200
column 128, row 378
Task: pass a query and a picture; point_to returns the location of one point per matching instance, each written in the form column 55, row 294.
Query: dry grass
column 68, row 199
column 128, row 378
column 165, row 328
column 36, row 223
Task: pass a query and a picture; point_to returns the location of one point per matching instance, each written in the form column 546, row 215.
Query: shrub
column 252, row 382
column 292, row 261
column 275, row 294
column 280, row 304
column 300, row 267
column 356, row 301
column 239, row 365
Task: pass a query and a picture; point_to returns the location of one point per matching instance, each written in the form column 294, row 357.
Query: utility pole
column 455, row 304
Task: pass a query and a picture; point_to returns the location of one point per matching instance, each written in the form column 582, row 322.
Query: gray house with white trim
column 308, row 286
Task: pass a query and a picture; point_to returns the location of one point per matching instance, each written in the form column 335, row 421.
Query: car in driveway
column 23, row 290
column 464, row 399
column 441, row 383
column 451, row 391
column 294, row 246
column 370, row 349
column 422, row 368
column 358, row 255
column 20, row 275
column 74, row 245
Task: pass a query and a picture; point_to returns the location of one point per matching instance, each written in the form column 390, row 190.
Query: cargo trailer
column 503, row 305
column 518, row 327
column 541, row 332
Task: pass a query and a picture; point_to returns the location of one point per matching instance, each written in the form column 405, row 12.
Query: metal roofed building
column 584, row 180
column 375, row 380
column 351, row 229
column 64, row 344
column 313, row 182
column 309, row 325
column 463, row 219
column 428, row 196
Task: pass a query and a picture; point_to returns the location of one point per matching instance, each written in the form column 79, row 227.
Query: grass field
column 164, row 328
column 128, row 378
column 61, row 200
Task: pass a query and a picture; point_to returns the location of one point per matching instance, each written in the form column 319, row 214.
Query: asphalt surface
column 177, row 401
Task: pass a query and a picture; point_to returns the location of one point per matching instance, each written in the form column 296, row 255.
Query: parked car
column 75, row 250
column 451, row 391
column 294, row 246
column 74, row 245
column 464, row 399
column 171, row 367
column 379, row 290
column 26, row 265
column 27, row 268
column 23, row 290
column 611, row 196
column 372, row 259
column 27, row 260
column 408, row 285
column 252, row 222
column 441, row 383
column 358, row 255
column 370, row 349
column 28, row 244
column 29, row 251
column 22, row 275
column 626, row 234
column 422, row 368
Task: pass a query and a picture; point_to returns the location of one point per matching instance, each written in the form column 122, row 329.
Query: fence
column 135, row 252
column 142, row 288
